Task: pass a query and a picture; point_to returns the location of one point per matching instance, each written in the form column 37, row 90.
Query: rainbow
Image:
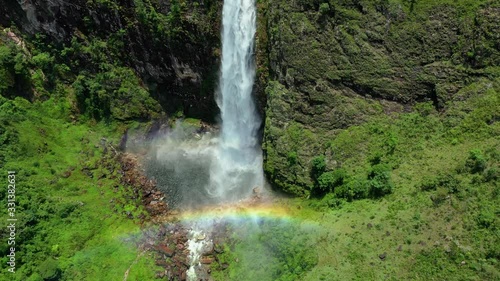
column 235, row 212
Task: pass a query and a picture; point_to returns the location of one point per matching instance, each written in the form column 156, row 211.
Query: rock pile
column 170, row 245
column 152, row 199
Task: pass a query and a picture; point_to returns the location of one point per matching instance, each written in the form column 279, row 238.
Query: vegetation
column 271, row 249
column 381, row 116
column 385, row 115
column 423, row 193
column 71, row 208
column 336, row 65
column 73, row 213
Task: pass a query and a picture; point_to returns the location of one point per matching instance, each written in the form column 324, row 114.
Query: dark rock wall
column 175, row 52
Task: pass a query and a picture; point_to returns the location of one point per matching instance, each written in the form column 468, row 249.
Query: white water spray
column 237, row 166
column 195, row 246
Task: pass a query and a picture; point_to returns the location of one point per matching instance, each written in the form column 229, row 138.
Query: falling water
column 237, row 166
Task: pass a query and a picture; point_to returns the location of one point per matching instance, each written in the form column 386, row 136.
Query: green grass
column 266, row 249
column 443, row 209
column 435, row 239
column 67, row 224
column 440, row 220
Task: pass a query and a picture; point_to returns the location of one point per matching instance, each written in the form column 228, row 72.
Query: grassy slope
column 88, row 241
column 66, row 221
column 439, row 223
column 450, row 231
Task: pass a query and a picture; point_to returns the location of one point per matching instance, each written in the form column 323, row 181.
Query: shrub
column 329, row 180
column 43, row 60
column 391, row 142
column 292, row 158
column 424, row 108
column 448, row 182
column 49, row 269
column 6, row 80
column 476, row 162
column 113, row 94
column 491, row 175
column 324, row 8
column 380, row 180
column 486, row 218
column 353, row 189
column 318, row 167
column 333, row 201
column 428, row 184
column 440, row 196
column 376, row 157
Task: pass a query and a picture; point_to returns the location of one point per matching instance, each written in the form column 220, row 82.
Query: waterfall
column 237, row 166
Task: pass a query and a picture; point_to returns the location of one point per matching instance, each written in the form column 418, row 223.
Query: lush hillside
column 66, row 99
column 338, row 64
column 381, row 121
column 71, row 207
column 408, row 196
column 385, row 114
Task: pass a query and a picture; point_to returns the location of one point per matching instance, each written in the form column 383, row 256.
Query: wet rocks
column 207, row 260
column 169, row 252
column 168, row 243
column 142, row 187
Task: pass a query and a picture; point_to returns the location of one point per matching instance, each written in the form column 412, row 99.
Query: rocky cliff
column 336, row 64
column 171, row 45
column 323, row 66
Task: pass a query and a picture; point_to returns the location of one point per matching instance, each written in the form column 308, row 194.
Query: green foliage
column 440, row 196
column 49, row 270
column 492, row 174
column 114, row 94
column 14, row 74
column 331, row 201
column 380, row 180
column 164, row 26
column 324, row 8
column 448, row 182
column 329, row 180
column 6, row 75
column 318, row 166
column 428, row 183
column 273, row 249
column 424, row 108
column 43, row 61
column 292, row 158
column 51, row 156
column 353, row 189
column 487, row 218
column 476, row 162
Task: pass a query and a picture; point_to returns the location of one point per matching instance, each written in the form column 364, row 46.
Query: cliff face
column 323, row 66
column 171, row 45
column 335, row 64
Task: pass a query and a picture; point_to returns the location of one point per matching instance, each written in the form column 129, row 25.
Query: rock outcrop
column 335, row 64
column 171, row 45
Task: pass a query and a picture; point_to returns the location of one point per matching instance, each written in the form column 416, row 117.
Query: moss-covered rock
column 335, row 64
